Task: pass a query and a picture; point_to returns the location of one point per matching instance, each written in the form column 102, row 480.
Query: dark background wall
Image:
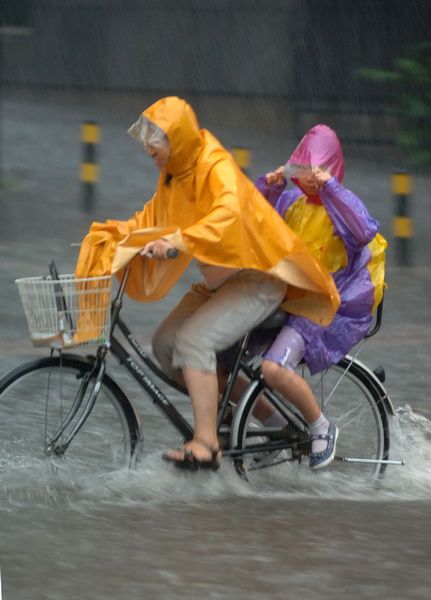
column 307, row 51
column 307, row 48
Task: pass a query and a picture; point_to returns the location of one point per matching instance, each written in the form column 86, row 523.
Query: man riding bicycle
column 250, row 260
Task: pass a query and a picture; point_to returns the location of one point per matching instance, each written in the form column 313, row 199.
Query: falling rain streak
column 259, row 74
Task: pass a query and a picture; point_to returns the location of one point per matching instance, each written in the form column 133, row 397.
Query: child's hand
column 320, row 176
column 275, row 177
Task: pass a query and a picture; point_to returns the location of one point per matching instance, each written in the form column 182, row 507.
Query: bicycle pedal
column 289, row 433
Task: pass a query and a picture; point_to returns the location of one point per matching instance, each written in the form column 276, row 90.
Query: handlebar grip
column 173, row 253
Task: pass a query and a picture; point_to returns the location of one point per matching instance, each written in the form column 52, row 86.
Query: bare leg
column 212, row 327
column 293, row 387
column 263, row 408
column 203, row 391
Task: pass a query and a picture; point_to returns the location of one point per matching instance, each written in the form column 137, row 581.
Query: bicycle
column 67, row 407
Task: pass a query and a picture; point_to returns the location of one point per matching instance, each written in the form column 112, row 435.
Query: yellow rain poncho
column 210, row 211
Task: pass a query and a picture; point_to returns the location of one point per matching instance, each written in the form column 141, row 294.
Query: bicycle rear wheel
column 352, row 398
column 349, row 395
column 35, row 400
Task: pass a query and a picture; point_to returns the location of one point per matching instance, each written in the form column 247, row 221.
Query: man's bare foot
column 194, row 455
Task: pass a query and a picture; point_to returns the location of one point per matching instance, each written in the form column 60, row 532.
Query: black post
column 402, row 223
column 90, row 137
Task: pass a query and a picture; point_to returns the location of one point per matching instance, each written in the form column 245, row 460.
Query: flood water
column 157, row 533
column 154, row 533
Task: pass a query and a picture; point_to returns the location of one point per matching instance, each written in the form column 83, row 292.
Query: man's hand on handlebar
column 161, row 249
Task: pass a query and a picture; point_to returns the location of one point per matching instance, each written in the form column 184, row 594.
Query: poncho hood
column 178, row 120
column 320, row 147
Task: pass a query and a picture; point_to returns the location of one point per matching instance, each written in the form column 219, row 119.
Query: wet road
column 219, row 548
column 155, row 533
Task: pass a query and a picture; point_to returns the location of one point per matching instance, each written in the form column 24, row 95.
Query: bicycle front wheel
column 40, row 397
column 348, row 394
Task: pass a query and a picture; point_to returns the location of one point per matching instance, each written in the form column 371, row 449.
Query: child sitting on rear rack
column 341, row 234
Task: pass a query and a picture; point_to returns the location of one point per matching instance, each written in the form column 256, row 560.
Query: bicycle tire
column 358, row 406
column 34, row 400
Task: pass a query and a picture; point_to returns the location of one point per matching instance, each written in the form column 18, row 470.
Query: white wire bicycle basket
column 66, row 311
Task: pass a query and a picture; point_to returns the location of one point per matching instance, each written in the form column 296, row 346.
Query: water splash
column 411, row 442
column 153, row 482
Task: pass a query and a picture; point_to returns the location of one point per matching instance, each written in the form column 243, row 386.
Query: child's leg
column 278, row 367
column 293, row 387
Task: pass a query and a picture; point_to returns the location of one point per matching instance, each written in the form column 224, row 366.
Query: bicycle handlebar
column 172, row 253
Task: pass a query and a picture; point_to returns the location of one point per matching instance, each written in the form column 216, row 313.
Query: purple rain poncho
column 338, row 230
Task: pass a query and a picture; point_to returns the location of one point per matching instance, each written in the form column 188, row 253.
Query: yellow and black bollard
column 402, row 223
column 90, row 137
column 242, row 158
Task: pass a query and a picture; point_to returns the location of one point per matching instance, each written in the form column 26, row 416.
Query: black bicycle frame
column 159, row 398
column 137, row 372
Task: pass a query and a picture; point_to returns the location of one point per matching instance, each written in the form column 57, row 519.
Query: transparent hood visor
column 147, row 133
column 296, row 170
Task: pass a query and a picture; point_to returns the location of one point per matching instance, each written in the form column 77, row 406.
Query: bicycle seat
column 277, row 318
column 274, row 321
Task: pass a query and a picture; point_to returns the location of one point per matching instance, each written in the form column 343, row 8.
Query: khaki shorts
column 205, row 322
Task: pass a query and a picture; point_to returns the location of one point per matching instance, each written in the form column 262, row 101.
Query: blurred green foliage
column 409, row 84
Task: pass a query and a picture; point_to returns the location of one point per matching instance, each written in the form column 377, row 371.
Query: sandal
column 190, row 462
